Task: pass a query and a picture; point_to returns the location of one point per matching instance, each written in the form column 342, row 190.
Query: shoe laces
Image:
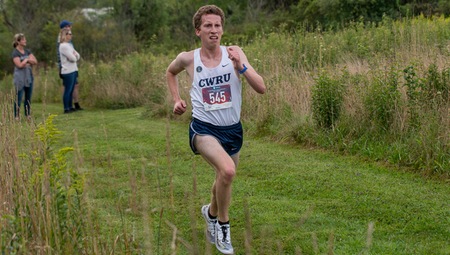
column 211, row 224
column 225, row 234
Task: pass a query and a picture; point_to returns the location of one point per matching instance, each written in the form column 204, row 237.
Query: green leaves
column 327, row 99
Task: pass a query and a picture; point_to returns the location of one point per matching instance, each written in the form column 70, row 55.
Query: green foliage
column 11, row 243
column 146, row 20
column 382, row 100
column 437, row 86
column 428, row 148
column 412, row 133
column 379, row 122
column 415, row 90
column 267, row 125
column 327, row 99
column 413, row 83
column 444, row 7
column 96, row 42
column 445, row 92
column 128, row 82
column 338, row 13
column 65, row 185
column 150, row 18
column 47, row 134
column 49, row 195
column 429, row 91
column 6, row 39
column 166, row 25
column 428, row 107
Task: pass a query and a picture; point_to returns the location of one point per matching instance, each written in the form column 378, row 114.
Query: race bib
column 217, row 97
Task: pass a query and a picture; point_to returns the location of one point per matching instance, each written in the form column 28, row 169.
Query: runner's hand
column 234, row 56
column 179, row 107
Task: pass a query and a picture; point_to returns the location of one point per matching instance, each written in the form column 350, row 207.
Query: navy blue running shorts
column 230, row 137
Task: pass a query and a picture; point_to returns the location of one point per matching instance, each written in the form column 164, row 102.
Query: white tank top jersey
column 216, row 92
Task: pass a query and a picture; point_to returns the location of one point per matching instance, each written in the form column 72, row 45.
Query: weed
column 327, row 99
column 48, row 201
column 382, row 100
column 415, row 88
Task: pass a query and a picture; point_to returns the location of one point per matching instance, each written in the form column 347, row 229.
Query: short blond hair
column 207, row 9
column 17, row 39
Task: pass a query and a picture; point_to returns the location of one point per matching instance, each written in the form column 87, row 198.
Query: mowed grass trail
column 144, row 180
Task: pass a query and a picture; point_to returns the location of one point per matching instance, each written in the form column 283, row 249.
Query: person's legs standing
column 71, row 94
column 68, row 81
column 75, row 96
column 27, row 102
column 17, row 102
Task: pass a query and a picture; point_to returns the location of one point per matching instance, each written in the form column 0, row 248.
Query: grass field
column 145, row 188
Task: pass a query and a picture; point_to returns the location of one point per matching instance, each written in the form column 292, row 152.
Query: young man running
column 215, row 131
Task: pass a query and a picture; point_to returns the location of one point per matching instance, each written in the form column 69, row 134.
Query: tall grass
column 42, row 196
column 47, row 200
column 123, row 186
column 45, row 206
column 395, row 78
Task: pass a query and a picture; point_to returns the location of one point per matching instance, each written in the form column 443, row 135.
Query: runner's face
column 211, row 29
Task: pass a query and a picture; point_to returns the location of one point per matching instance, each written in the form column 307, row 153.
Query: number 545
column 217, row 97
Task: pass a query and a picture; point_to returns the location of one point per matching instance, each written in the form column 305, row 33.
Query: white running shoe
column 223, row 239
column 210, row 224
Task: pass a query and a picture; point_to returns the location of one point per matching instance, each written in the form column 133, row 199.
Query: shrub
column 382, row 100
column 414, row 90
column 437, row 85
column 327, row 99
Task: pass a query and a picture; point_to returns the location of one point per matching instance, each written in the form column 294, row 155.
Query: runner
column 215, row 131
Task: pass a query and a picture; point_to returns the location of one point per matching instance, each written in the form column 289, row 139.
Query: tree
column 6, row 64
column 338, row 13
column 146, row 18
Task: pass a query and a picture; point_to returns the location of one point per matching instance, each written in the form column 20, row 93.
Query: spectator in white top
column 69, row 69
column 75, row 95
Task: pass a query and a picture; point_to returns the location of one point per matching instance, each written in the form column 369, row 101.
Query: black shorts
column 230, row 137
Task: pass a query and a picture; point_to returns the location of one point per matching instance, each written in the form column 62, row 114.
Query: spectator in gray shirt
column 23, row 75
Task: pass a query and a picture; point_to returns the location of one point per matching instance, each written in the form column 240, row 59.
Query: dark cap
column 64, row 24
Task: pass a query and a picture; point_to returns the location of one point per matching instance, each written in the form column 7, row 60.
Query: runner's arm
column 177, row 66
column 237, row 55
